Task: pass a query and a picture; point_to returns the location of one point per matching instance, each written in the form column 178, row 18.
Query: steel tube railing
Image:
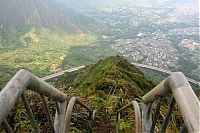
column 68, row 113
column 57, row 106
column 184, row 96
column 30, row 113
column 156, row 115
column 168, row 115
column 20, row 81
column 25, row 80
column 60, row 117
column 47, row 113
column 176, row 84
column 146, row 117
column 135, row 105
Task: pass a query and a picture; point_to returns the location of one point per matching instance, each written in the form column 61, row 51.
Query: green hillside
column 107, row 86
column 113, row 72
column 39, row 35
column 41, row 51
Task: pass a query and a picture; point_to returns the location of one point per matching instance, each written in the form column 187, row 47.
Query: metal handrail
column 68, row 113
column 25, row 80
column 176, row 84
column 136, row 108
column 184, row 96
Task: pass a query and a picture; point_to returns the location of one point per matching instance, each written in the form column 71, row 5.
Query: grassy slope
column 108, row 85
column 42, row 53
column 113, row 72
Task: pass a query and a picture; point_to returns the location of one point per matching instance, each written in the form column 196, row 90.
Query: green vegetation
column 188, row 60
column 19, row 120
column 87, row 54
column 107, row 86
column 38, row 35
column 41, row 51
column 113, row 72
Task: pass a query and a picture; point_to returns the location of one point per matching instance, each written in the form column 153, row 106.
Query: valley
column 52, row 52
column 164, row 37
column 101, row 55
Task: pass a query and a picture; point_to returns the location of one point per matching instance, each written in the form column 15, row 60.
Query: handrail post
column 30, row 113
column 146, row 117
column 25, row 80
column 184, row 96
column 68, row 113
column 60, row 117
column 137, row 116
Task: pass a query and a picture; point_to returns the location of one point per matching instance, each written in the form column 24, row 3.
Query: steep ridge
column 38, row 34
column 107, row 86
column 114, row 72
column 45, row 13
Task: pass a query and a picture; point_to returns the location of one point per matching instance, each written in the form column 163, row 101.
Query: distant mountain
column 44, row 13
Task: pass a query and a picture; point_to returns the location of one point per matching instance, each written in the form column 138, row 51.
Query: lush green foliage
column 108, row 85
column 18, row 117
column 41, row 51
column 114, row 72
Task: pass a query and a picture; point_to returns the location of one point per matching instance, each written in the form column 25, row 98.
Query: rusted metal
column 68, row 113
column 30, row 113
column 155, row 116
column 137, row 116
column 47, row 113
column 185, row 98
column 168, row 115
column 20, row 81
column 6, row 126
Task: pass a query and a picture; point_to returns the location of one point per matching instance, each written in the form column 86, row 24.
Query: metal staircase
column 175, row 85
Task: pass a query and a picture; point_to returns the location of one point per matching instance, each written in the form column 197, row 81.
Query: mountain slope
column 107, row 86
column 45, row 13
column 37, row 35
column 114, row 72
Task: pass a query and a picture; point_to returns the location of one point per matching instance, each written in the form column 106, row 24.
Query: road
column 136, row 64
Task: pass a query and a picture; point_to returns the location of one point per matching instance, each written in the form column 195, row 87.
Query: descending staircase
column 145, row 120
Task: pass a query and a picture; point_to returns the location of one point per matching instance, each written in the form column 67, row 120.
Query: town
column 164, row 37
